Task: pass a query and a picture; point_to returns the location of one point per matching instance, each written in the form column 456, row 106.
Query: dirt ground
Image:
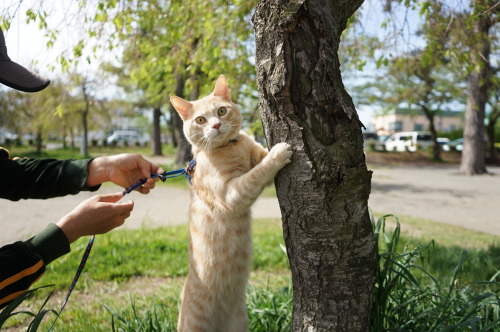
column 430, row 191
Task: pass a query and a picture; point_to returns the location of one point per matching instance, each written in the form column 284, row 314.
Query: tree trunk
column 84, row 146
column 157, row 151
column 85, row 112
column 183, row 154
column 38, row 140
column 436, row 148
column 323, row 193
column 473, row 158
column 491, row 151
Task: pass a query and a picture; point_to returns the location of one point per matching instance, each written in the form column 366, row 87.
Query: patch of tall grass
column 269, row 310
column 409, row 298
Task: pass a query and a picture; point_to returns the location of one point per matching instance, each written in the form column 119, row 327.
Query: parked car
column 408, row 141
column 126, row 138
column 444, row 143
column 457, row 145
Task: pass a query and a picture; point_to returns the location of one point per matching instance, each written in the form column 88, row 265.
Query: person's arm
column 47, row 178
column 43, row 178
column 24, row 262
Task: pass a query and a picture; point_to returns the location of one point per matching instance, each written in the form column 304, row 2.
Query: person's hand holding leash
column 123, row 170
column 96, row 215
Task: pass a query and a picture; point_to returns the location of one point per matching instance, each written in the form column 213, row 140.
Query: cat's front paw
column 281, row 154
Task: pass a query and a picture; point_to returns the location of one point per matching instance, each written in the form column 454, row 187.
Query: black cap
column 15, row 75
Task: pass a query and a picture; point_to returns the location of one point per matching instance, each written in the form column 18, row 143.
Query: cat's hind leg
column 195, row 314
column 237, row 319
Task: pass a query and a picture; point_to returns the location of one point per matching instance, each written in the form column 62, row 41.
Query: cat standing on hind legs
column 231, row 172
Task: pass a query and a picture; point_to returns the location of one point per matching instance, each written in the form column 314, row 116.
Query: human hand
column 96, row 215
column 123, row 170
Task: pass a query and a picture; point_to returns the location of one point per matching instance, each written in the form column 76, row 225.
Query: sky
column 26, row 43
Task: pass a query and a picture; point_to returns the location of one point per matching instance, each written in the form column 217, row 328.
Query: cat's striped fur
column 231, row 172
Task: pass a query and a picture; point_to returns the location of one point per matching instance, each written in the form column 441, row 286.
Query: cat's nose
column 216, row 125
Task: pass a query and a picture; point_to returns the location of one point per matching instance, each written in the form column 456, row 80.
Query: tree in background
column 420, row 82
column 168, row 48
column 32, row 114
column 483, row 16
column 323, row 193
column 468, row 26
column 178, row 48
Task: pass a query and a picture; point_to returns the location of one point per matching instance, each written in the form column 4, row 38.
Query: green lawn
column 135, row 276
column 144, row 267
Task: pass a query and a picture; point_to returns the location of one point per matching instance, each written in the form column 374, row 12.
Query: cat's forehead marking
column 208, row 105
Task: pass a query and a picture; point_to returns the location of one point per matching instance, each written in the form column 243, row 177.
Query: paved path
column 435, row 193
column 439, row 194
column 164, row 206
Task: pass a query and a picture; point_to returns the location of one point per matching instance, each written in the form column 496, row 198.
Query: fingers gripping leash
column 165, row 175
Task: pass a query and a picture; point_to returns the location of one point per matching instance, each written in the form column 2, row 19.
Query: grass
column 141, row 272
column 133, row 279
column 74, row 153
column 408, row 297
column 427, row 230
column 483, row 250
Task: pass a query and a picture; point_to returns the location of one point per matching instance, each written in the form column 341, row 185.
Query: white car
column 126, row 138
column 457, row 145
column 408, row 141
column 444, row 143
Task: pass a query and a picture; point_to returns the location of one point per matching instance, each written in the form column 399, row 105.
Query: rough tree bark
column 323, row 193
column 473, row 154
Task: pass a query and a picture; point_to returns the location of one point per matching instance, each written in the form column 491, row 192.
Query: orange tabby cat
column 231, row 172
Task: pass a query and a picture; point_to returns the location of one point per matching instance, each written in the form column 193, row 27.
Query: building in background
column 402, row 119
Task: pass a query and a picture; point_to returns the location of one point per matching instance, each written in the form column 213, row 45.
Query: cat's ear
column 221, row 89
column 181, row 106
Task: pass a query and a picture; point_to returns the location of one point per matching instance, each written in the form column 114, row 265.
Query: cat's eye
column 200, row 120
column 221, row 111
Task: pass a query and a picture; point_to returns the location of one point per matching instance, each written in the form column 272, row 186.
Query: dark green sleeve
column 22, row 263
column 42, row 178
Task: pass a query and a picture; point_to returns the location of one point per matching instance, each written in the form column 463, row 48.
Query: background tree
column 179, row 48
column 162, row 42
column 32, row 114
column 484, row 17
column 469, row 26
column 416, row 82
column 323, row 193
